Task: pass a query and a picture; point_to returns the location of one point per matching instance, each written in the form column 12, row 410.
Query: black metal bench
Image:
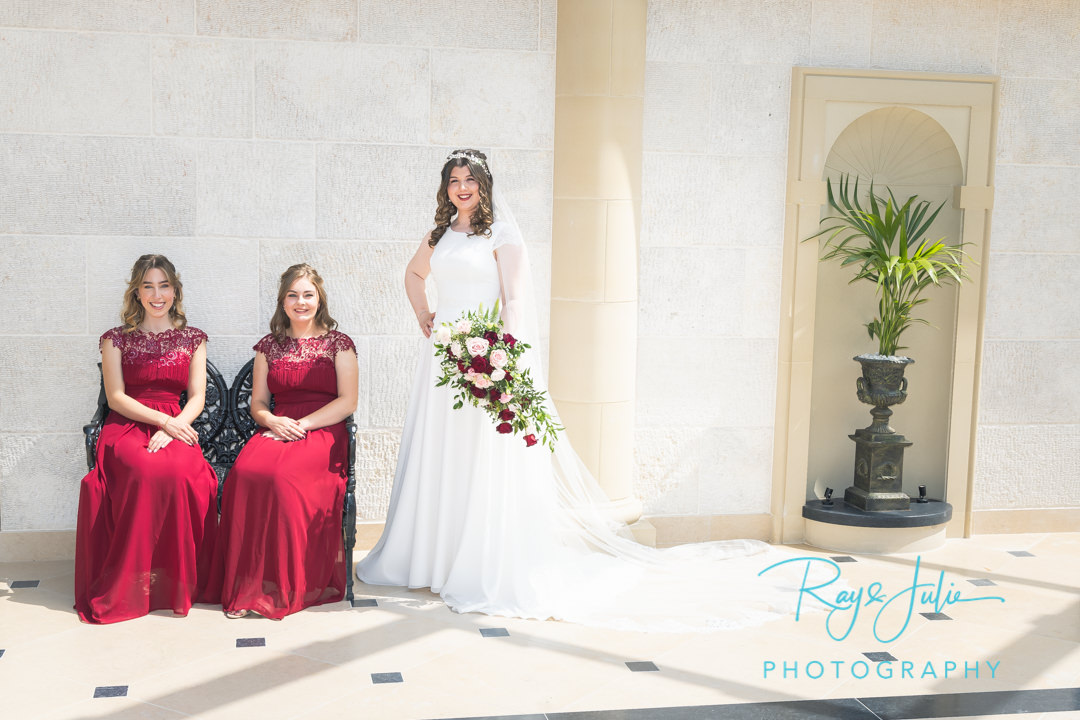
column 224, row 425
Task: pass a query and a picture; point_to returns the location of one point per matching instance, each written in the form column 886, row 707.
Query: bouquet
column 480, row 361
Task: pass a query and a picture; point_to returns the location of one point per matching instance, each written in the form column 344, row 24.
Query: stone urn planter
column 879, row 450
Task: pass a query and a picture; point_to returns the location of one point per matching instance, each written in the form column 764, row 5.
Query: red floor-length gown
column 280, row 546
column 147, row 521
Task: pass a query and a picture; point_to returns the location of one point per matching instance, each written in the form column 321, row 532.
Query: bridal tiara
column 471, row 157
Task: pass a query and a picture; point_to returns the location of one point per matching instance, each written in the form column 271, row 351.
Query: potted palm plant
column 886, row 242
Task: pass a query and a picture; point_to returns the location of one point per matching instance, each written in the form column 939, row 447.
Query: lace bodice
column 301, row 370
column 304, row 351
column 155, row 362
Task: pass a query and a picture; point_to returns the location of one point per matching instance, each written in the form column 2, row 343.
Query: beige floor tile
column 243, row 682
column 119, row 708
column 33, row 571
column 29, row 689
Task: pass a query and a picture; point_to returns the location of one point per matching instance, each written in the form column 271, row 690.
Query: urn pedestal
column 876, row 516
column 879, row 450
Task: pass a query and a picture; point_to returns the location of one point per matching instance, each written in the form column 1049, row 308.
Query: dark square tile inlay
column 365, row 602
column 982, row 582
column 642, row 666
column 110, row 691
column 880, row 656
column 843, row 558
column 24, row 584
column 250, row 642
column 935, row 616
column 1021, row 553
column 494, row 632
column 380, row 678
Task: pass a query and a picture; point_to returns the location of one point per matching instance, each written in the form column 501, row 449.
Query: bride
column 497, row 527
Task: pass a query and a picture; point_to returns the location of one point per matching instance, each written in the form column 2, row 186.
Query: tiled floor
column 400, row 654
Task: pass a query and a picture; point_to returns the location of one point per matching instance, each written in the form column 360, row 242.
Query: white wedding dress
column 496, row 527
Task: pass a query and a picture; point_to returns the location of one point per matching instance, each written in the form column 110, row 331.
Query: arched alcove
column 930, row 134
column 909, row 152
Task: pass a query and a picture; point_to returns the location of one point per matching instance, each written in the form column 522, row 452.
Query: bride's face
column 464, row 190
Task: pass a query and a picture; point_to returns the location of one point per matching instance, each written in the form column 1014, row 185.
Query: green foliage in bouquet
column 887, row 245
column 480, row 362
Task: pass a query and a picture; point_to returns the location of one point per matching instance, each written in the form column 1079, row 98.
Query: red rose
column 530, row 440
column 493, row 394
column 509, row 339
column 506, row 415
column 480, row 364
column 477, row 392
column 460, row 366
column 491, row 337
column 507, row 378
column 505, row 428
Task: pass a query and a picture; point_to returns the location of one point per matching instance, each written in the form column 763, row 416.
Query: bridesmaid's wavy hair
column 483, row 216
column 279, row 324
column 133, row 312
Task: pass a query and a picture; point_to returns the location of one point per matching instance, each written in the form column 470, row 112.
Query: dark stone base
column 876, row 501
column 932, row 512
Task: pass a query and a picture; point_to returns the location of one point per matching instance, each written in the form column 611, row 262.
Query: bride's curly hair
column 483, row 216
column 133, row 312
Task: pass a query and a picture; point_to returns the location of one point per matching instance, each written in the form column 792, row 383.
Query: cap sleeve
column 339, row 342
column 115, row 335
column 196, row 337
column 264, row 345
column 505, row 234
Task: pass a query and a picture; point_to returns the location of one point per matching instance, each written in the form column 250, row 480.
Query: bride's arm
column 416, row 273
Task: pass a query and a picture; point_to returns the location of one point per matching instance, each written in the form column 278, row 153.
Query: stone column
column 599, row 101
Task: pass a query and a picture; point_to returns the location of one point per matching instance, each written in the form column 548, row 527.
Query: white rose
column 463, row 326
column 442, row 335
column 456, row 349
column 499, row 358
column 497, row 374
column 482, row 402
column 476, row 346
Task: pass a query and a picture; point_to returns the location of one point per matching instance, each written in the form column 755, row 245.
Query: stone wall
column 238, row 140
column 256, row 134
column 716, row 110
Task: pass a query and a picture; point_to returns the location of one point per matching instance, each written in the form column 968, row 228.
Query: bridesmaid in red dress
column 147, row 512
column 280, row 547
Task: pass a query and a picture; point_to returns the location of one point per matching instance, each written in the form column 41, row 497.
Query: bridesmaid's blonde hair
column 132, row 312
column 279, row 323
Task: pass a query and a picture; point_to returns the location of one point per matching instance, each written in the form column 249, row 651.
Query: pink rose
column 505, row 398
column 483, row 382
column 463, row 326
column 499, row 358
column 497, row 374
column 476, row 346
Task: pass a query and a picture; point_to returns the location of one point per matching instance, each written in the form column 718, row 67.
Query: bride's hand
column 427, row 321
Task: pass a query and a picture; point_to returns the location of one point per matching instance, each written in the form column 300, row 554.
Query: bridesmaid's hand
column 427, row 321
column 181, row 430
column 159, row 440
column 285, row 428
